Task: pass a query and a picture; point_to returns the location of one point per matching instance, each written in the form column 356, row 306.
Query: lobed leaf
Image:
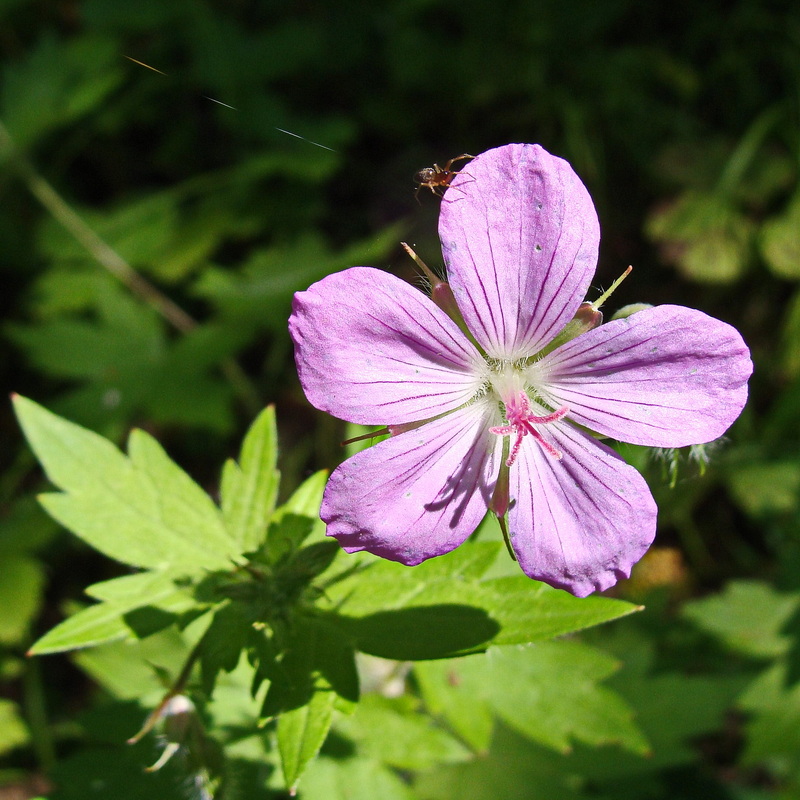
column 549, row 692
column 353, row 779
column 394, row 732
column 315, row 674
column 468, row 716
column 249, row 489
column 302, row 732
column 149, row 602
column 443, row 608
column 142, row 510
column 748, row 616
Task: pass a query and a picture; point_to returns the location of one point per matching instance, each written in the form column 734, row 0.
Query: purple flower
column 491, row 414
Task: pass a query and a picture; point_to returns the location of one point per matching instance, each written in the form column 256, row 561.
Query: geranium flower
column 490, row 407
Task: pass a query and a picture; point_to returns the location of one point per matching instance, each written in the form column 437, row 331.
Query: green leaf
column 529, row 611
column 57, row 83
column 780, row 242
column 137, row 669
column 261, row 292
column 548, row 692
column 136, row 588
column 117, row 350
column 306, row 499
column 141, row 510
column 514, row 769
column 385, row 585
column 773, row 732
column 297, row 520
column 126, row 339
column 302, row 732
column 394, row 732
column 315, row 658
column 313, row 675
column 748, row 616
column 147, row 603
column 139, row 231
column 13, row 731
column 224, row 642
column 21, row 583
column 468, row 716
column 438, row 630
column 442, row 607
column 766, row 487
column 704, row 235
column 352, row 779
column 249, row 489
column 674, row 709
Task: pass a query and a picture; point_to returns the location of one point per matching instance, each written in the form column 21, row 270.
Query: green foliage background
column 150, row 242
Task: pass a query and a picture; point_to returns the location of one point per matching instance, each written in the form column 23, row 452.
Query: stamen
column 520, row 423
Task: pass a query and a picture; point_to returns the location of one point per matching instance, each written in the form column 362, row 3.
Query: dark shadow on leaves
column 148, row 620
column 423, row 632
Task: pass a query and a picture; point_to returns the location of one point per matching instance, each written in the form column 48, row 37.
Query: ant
column 437, row 177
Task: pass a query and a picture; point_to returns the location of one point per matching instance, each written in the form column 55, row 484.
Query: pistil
column 521, row 420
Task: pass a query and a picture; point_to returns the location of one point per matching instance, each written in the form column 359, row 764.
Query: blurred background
column 171, row 172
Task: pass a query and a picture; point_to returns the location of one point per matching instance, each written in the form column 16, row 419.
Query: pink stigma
column 521, row 421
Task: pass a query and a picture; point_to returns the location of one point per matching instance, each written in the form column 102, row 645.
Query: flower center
column 509, row 387
column 521, row 420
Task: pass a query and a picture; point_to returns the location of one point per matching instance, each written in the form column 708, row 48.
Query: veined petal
column 666, row 377
column 580, row 522
column 520, row 236
column 418, row 494
column 372, row 349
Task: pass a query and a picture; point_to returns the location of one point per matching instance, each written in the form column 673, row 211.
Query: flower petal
column 520, row 236
column 580, row 522
column 666, row 377
column 418, row 494
column 372, row 349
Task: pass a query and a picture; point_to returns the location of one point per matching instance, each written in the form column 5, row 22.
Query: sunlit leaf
column 551, row 692
column 142, row 510
column 250, row 487
column 352, row 779
column 442, row 607
column 148, row 603
column 301, row 733
column 392, row 732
